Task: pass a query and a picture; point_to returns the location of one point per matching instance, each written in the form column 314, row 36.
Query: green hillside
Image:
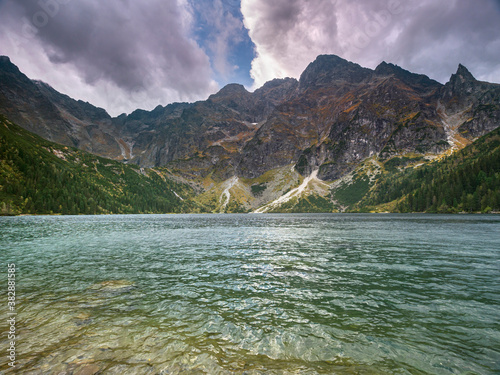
column 41, row 177
column 467, row 181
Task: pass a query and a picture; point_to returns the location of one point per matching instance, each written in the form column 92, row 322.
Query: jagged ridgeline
column 341, row 138
column 42, row 177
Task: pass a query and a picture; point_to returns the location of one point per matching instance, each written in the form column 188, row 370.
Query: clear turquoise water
column 254, row 294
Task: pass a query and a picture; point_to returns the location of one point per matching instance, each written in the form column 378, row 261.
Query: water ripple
column 256, row 294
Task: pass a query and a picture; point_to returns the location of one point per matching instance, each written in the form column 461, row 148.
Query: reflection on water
column 255, row 294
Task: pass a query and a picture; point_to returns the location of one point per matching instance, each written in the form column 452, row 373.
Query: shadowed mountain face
column 42, row 110
column 334, row 117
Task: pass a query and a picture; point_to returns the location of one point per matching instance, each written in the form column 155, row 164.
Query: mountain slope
column 42, row 177
column 346, row 114
column 42, row 110
column 467, row 181
column 245, row 151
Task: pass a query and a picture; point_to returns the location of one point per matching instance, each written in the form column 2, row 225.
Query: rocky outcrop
column 477, row 102
column 345, row 113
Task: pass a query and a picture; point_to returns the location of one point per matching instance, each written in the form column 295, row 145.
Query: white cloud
column 288, row 34
column 426, row 37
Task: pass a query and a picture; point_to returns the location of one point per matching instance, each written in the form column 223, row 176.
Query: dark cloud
column 124, row 54
column 140, row 47
column 127, row 42
column 439, row 35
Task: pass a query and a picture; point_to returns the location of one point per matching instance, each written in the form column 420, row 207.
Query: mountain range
column 338, row 125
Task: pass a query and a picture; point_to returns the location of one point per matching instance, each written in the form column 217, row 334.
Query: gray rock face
column 335, row 116
column 328, row 70
column 479, row 103
column 344, row 114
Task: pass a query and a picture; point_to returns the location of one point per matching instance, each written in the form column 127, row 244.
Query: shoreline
column 266, row 213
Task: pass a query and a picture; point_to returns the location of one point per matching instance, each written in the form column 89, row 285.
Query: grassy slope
column 41, row 177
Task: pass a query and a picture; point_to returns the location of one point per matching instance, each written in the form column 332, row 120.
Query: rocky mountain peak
column 461, row 80
column 6, row 64
column 419, row 81
column 4, row 60
column 464, row 74
column 10, row 72
column 461, row 87
column 327, row 69
column 229, row 90
column 387, row 69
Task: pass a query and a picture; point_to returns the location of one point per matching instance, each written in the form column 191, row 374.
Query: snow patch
column 229, row 184
column 178, row 196
column 292, row 193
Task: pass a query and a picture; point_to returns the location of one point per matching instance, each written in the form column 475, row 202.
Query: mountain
column 344, row 113
column 42, row 177
column 469, row 107
column 246, row 150
column 39, row 108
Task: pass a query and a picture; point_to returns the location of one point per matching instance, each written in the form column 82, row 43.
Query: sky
column 127, row 54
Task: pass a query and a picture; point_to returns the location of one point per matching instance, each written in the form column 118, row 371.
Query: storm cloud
column 140, row 51
column 428, row 36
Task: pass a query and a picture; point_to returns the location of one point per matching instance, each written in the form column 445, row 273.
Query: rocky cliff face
column 472, row 106
column 207, row 136
column 334, row 117
column 344, row 113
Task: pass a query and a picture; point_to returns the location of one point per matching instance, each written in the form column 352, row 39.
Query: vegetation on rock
column 467, row 181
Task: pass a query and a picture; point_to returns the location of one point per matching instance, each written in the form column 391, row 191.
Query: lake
column 253, row 294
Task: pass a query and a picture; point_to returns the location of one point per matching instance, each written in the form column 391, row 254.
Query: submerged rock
column 113, row 286
column 90, row 369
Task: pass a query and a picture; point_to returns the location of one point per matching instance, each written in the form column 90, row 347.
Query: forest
column 41, row 177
